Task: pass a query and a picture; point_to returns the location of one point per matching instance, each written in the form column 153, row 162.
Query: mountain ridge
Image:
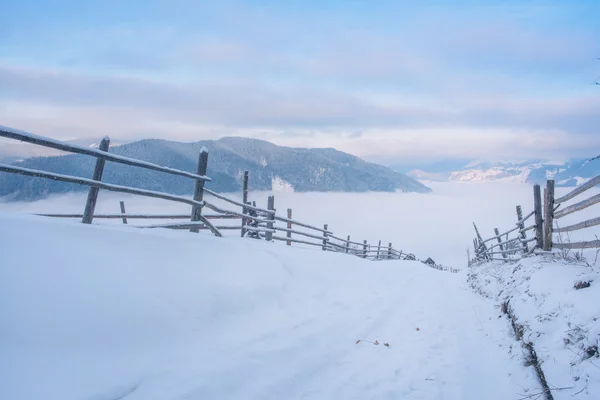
column 271, row 167
column 567, row 174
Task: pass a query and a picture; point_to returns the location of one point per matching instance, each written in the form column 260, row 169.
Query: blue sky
column 391, row 80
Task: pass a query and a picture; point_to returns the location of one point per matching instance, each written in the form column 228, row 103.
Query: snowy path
column 450, row 356
column 171, row 315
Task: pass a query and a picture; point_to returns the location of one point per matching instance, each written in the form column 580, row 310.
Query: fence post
column 365, row 249
column 199, row 188
column 481, row 244
column 270, row 217
column 245, row 201
column 325, row 237
column 521, row 226
column 497, row 232
column 389, row 251
column 92, row 198
column 378, row 249
column 122, row 204
column 468, row 257
column 245, row 188
column 348, row 244
column 539, row 219
column 548, row 214
column 289, row 226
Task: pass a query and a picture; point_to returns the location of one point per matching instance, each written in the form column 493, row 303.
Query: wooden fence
column 557, row 209
column 543, row 227
column 255, row 222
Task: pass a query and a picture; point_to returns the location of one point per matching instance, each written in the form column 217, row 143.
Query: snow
column 107, row 312
column 578, row 181
column 279, row 184
column 104, row 312
column 551, row 173
column 559, row 320
column 494, row 174
column 319, row 174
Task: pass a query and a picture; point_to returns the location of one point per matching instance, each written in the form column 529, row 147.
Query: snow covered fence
column 573, row 208
column 544, row 227
column 102, row 155
column 256, row 222
column 501, row 246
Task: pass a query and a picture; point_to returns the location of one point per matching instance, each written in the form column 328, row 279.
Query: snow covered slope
column 559, row 312
column 111, row 312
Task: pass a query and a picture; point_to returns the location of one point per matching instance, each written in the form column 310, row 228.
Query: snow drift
column 111, row 312
column 555, row 300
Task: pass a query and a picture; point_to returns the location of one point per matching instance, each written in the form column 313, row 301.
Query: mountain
column 570, row 173
column 439, row 166
column 271, row 168
column 578, row 172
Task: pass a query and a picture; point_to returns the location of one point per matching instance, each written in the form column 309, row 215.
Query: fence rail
column 511, row 249
column 139, row 216
column 71, row 148
column 546, row 214
column 255, row 222
column 571, row 209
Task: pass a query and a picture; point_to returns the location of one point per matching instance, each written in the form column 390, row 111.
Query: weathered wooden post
column 468, row 257
column 325, row 238
column 122, row 204
column 521, row 225
column 539, row 219
column 199, row 188
column 245, row 188
column 548, row 214
column 289, row 226
column 502, row 248
column 482, row 245
column 90, row 204
column 389, row 256
column 365, row 249
column 245, row 201
column 348, row 244
column 378, row 249
column 271, row 218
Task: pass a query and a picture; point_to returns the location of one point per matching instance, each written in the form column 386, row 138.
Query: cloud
column 435, row 80
column 258, row 105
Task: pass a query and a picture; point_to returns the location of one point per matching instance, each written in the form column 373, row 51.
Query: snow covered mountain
column 271, row 168
column 571, row 173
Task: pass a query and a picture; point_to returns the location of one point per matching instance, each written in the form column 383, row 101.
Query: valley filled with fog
column 437, row 225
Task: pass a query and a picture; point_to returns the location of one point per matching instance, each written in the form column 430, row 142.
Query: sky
column 392, row 81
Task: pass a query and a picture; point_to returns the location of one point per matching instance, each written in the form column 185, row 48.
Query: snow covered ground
column 559, row 315
column 114, row 312
column 110, row 312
